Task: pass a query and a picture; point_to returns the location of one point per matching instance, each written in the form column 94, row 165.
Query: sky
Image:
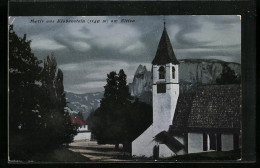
column 87, row 51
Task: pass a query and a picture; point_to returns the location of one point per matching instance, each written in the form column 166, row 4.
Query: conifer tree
column 109, row 121
column 228, row 76
column 37, row 120
column 80, row 116
column 57, row 125
column 24, row 76
column 102, row 122
column 124, row 97
column 118, row 119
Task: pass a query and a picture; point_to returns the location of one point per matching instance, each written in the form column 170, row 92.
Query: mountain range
column 192, row 72
column 83, row 103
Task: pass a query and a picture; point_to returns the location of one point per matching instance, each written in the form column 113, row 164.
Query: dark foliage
column 56, row 123
column 80, row 116
column 109, row 120
column 118, row 120
column 24, row 74
column 37, row 119
column 228, row 76
column 139, row 119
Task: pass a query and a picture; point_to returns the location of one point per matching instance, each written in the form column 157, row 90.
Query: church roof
column 164, row 52
column 211, row 108
column 172, row 143
column 182, row 112
column 76, row 120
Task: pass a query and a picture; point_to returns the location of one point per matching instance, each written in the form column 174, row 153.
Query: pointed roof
column 164, row 54
column 76, row 120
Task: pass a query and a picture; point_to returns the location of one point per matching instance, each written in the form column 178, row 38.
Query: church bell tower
column 165, row 69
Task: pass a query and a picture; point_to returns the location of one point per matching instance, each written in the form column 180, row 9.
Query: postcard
column 125, row 88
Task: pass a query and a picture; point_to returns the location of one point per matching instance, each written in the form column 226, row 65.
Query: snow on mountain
column 83, row 102
column 192, row 72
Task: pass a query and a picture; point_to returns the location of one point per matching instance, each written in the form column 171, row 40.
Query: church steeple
column 164, row 54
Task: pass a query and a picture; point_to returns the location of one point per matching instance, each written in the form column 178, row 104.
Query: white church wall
column 83, row 128
column 180, row 139
column 155, row 75
column 227, row 142
column 164, row 151
column 164, row 105
column 82, row 136
column 181, row 152
column 169, row 73
column 143, row 145
column 195, row 142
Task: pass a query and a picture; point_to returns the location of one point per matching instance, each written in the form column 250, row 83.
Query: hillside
column 83, row 102
column 192, row 72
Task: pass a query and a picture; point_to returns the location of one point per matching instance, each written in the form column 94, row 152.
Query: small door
column 205, row 142
column 156, row 152
column 236, row 141
column 212, row 141
column 219, row 143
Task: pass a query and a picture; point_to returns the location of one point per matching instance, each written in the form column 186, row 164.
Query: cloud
column 87, row 52
column 45, row 44
column 134, row 47
column 81, row 46
column 91, row 85
column 118, row 37
column 77, row 76
column 223, row 22
column 68, row 67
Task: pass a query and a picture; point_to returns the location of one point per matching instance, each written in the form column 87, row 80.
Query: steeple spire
column 164, row 54
column 164, row 22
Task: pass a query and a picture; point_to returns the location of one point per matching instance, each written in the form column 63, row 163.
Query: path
column 98, row 153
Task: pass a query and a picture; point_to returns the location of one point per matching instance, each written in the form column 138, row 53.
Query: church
column 208, row 120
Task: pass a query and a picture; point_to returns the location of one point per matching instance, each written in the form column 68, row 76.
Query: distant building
column 208, row 120
column 83, row 132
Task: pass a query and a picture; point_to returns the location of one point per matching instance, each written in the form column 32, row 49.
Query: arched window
column 161, row 73
column 173, row 73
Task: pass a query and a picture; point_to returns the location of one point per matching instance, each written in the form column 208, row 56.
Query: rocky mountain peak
column 141, row 70
column 192, row 72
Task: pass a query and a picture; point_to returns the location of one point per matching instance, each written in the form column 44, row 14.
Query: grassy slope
column 227, row 155
column 60, row 155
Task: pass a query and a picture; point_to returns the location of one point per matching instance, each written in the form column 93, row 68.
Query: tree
column 124, row 96
column 118, row 120
column 104, row 116
column 80, row 116
column 139, row 119
column 24, row 77
column 228, row 76
column 56, row 125
column 124, row 106
column 37, row 120
column 109, row 121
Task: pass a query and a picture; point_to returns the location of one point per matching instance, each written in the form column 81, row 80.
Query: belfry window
column 161, row 73
column 173, row 73
column 161, row 88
